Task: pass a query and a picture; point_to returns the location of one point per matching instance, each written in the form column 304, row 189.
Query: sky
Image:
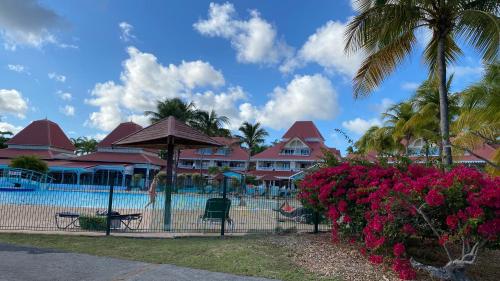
column 90, row 64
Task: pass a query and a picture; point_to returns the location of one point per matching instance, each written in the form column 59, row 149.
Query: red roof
column 303, row 130
column 237, row 153
column 123, row 130
column 269, row 174
column 122, row 158
column 316, row 153
column 42, row 133
column 45, row 154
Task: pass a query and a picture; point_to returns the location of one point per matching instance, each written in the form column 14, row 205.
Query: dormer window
column 296, row 147
column 222, row 151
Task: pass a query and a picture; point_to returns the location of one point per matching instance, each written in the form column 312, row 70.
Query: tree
column 385, row 31
column 4, row 138
column 251, row 136
column 210, row 123
column 185, row 112
column 397, row 117
column 29, row 162
column 377, row 139
column 479, row 118
column 84, row 145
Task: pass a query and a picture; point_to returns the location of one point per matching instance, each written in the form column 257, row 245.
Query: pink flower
column 434, row 198
column 408, row 229
column 452, row 221
column 342, row 206
column 376, row 259
column 399, row 249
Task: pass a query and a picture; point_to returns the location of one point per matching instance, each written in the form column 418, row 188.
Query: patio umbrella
column 168, row 134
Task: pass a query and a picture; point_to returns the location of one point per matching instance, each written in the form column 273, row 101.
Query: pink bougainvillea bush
column 385, row 207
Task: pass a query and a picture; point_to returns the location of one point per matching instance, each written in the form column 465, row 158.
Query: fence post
column 110, row 208
column 316, row 221
column 224, row 195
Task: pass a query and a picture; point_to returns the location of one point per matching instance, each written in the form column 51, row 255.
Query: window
column 222, row 151
column 205, row 151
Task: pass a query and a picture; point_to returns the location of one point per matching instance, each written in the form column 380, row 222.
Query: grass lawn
column 250, row 255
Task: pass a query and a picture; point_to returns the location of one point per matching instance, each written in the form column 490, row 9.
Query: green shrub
column 92, row 223
column 29, row 162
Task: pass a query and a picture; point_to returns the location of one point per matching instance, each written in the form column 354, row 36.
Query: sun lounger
column 217, row 211
column 125, row 220
column 65, row 220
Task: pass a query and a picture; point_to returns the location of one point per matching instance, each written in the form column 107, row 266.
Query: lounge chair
column 299, row 215
column 117, row 220
column 65, row 220
column 217, row 211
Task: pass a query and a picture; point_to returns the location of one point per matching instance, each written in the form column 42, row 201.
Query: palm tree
column 181, row 110
column 252, row 136
column 84, row 145
column 385, row 31
column 397, row 117
column 379, row 139
column 479, row 118
column 210, row 123
column 4, row 138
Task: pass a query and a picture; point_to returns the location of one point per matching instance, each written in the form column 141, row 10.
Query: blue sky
column 89, row 65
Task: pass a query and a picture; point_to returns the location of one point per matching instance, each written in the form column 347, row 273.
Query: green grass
column 251, row 255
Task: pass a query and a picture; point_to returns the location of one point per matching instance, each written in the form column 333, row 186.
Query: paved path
column 19, row 263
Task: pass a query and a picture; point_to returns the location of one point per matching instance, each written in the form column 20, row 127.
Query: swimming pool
column 121, row 200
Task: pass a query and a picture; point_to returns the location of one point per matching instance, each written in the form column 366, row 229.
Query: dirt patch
column 318, row 254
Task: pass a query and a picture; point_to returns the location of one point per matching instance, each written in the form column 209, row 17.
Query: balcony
column 265, row 168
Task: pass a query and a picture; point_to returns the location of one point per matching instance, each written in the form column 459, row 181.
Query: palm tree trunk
column 443, row 103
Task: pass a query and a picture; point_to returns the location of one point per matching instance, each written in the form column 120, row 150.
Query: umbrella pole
column 167, row 215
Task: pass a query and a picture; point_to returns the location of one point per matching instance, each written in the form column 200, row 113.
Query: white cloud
column 65, row 96
column 255, row 40
column 464, row 71
column 224, row 103
column 16, row 67
column 126, row 31
column 144, row 81
column 140, row 119
column 305, row 97
column 7, row 127
column 326, row 48
column 57, row 77
column 359, row 125
column 12, row 102
column 409, row 86
column 27, row 23
column 67, row 110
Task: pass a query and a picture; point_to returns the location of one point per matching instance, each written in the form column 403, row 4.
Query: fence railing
column 205, row 206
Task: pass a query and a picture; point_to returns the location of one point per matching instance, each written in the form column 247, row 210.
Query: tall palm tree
column 210, row 123
column 84, row 145
column 479, row 118
column 252, row 136
column 4, row 138
column 181, row 110
column 385, row 31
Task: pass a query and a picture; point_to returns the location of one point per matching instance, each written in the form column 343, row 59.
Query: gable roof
column 237, row 153
column 316, row 148
column 123, row 130
column 303, row 130
column 42, row 133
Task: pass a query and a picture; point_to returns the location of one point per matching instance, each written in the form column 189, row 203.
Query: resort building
column 231, row 156
column 300, row 148
column 124, row 167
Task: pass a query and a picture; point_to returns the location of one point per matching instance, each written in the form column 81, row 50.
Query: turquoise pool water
column 82, row 199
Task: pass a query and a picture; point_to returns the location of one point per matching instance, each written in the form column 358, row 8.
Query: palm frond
column 481, row 30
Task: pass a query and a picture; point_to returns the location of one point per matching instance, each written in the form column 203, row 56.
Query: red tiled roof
column 42, row 133
column 44, row 154
column 157, row 136
column 268, row 174
column 237, row 153
column 124, row 158
column 274, row 152
column 303, row 130
column 486, row 151
column 123, row 130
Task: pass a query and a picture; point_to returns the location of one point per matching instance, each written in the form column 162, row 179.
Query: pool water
column 82, row 199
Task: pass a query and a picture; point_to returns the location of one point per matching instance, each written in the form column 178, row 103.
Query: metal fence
column 209, row 205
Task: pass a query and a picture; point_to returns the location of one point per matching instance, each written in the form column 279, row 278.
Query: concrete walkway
column 28, row 263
